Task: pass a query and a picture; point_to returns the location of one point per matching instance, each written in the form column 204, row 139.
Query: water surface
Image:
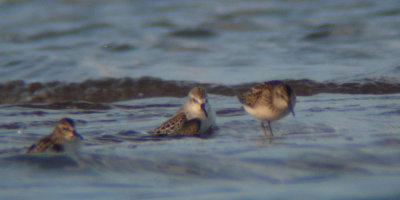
column 121, row 68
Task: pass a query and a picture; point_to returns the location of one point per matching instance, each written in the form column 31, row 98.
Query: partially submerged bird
column 268, row 102
column 195, row 117
column 63, row 135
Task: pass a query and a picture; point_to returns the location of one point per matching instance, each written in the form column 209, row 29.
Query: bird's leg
column 263, row 128
column 270, row 129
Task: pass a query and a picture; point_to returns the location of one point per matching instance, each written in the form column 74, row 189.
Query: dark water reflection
column 95, row 92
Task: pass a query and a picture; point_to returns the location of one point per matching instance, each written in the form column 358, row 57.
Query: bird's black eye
column 195, row 100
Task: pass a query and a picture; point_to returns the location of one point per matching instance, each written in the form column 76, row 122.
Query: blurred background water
column 120, row 68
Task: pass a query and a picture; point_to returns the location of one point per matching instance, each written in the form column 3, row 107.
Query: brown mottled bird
column 269, row 101
column 62, row 135
column 193, row 118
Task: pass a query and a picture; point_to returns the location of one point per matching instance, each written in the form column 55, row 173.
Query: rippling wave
column 58, row 94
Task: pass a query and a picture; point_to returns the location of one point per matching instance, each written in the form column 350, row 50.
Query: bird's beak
column 78, row 135
column 291, row 109
column 203, row 107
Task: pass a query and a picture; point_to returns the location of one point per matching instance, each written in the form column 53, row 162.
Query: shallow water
column 314, row 155
column 121, row 68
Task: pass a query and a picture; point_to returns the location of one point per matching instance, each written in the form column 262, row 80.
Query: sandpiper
column 195, row 117
column 62, row 135
column 269, row 101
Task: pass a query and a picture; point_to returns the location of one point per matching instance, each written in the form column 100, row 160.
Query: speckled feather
column 269, row 101
column 48, row 143
column 56, row 140
column 195, row 117
column 178, row 125
column 261, row 93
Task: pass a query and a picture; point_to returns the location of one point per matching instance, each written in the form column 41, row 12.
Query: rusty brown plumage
column 62, row 133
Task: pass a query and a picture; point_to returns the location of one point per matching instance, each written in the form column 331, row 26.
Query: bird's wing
column 45, row 144
column 190, row 127
column 178, row 124
column 251, row 97
column 172, row 125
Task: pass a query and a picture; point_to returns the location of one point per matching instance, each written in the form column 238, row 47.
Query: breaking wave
column 95, row 92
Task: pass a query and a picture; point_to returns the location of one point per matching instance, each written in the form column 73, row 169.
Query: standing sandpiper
column 62, row 135
column 269, row 101
column 195, row 117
